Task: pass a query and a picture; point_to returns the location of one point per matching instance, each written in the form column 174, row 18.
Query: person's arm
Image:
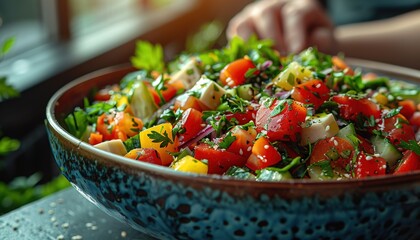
column 292, row 24
column 394, row 40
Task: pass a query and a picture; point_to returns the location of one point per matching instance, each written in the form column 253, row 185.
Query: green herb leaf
column 227, row 141
column 411, row 145
column 280, row 107
column 392, row 112
column 239, row 173
column 148, row 57
column 77, row 122
column 295, row 161
column 325, row 166
column 234, row 103
column 163, row 139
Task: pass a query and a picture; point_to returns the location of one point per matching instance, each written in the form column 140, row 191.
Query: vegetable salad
column 246, row 111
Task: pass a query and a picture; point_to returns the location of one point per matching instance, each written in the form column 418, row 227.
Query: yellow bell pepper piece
column 380, row 99
column 190, row 164
column 292, row 75
column 160, row 138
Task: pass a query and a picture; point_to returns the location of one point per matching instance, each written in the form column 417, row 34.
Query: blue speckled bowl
column 172, row 205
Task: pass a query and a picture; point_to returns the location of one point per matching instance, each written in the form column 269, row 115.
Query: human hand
column 293, row 25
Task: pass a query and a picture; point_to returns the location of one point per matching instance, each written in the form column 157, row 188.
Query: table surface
column 64, row 215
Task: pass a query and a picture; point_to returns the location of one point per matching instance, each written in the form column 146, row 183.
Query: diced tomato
column 103, row 126
column 219, row 160
column 370, row 76
column 342, row 65
column 244, row 139
column 149, row 155
column 102, row 95
column 338, row 151
column 191, row 123
column 369, row 165
column 186, row 101
column 263, row 155
column 409, row 162
column 311, row 92
column 351, row 108
column 127, row 124
column 415, row 120
column 397, row 129
column 365, row 145
column 282, row 120
column 95, row 138
column 168, row 93
column 234, row 73
column 408, row 108
column 245, row 117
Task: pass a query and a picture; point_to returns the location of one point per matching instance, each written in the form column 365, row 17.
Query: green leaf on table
column 6, row 90
column 8, row 145
column 7, row 45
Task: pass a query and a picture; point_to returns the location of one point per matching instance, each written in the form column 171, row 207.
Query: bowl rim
column 165, row 172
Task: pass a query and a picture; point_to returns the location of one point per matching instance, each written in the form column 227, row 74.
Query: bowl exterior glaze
column 171, row 205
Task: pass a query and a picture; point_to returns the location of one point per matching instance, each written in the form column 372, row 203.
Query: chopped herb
column 411, row 145
column 295, row 161
column 159, row 85
column 280, row 107
column 239, row 173
column 227, row 141
column 326, row 169
column 392, row 112
column 234, row 103
column 163, row 139
column 190, row 71
column 291, row 79
column 171, row 116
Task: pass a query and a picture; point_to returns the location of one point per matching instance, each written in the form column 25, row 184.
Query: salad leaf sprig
column 259, row 51
column 148, row 57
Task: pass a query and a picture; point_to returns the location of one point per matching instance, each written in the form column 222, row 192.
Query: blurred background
column 47, row 43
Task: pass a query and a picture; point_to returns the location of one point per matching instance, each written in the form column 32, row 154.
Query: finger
column 268, row 25
column 240, row 25
column 324, row 40
column 300, row 18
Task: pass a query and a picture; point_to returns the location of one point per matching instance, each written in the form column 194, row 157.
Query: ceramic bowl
column 172, row 205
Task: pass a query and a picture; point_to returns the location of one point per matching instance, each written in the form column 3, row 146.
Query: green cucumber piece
column 349, row 133
column 246, row 91
column 386, row 150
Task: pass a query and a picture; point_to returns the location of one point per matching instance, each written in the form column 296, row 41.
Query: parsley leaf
column 148, row 57
column 163, row 139
column 227, row 141
column 411, row 145
column 233, row 103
